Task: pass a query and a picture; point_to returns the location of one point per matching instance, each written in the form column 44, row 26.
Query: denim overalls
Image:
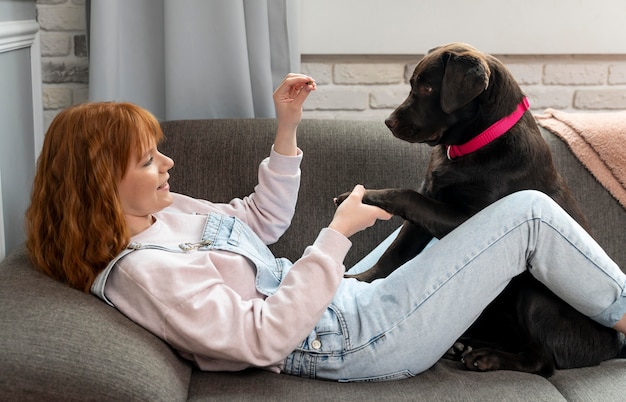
column 224, row 233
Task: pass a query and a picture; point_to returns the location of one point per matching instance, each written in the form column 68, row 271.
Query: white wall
column 495, row 26
column 21, row 127
column 2, row 246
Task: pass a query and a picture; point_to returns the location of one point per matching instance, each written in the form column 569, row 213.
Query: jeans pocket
column 398, row 375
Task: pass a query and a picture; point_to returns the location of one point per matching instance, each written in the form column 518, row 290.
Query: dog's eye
column 422, row 86
column 426, row 88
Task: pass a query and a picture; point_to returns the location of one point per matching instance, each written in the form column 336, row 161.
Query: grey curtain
column 187, row 59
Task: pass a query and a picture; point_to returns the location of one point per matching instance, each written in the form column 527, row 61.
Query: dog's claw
column 341, row 198
column 458, row 352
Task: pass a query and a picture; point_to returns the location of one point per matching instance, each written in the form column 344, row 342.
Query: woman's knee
column 529, row 204
column 531, row 199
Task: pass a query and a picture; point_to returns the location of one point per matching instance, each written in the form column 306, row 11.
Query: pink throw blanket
column 598, row 140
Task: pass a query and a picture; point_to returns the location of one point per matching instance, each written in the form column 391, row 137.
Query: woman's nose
column 166, row 162
column 170, row 162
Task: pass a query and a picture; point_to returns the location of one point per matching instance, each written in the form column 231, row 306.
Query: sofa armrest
column 57, row 343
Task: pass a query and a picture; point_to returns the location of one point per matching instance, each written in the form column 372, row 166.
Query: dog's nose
column 391, row 123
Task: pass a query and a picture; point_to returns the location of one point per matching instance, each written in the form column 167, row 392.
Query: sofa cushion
column 444, row 382
column 606, row 382
column 62, row 344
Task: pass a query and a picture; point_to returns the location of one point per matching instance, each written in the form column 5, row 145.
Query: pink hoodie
column 205, row 304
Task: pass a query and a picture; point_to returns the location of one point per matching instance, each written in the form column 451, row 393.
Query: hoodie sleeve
column 269, row 209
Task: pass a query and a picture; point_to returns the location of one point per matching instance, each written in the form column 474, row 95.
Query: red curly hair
column 75, row 224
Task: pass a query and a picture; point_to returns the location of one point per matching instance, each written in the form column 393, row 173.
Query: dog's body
column 456, row 94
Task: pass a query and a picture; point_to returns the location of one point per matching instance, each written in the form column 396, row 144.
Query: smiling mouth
column 164, row 186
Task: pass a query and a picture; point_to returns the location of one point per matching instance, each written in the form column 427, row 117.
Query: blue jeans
column 400, row 326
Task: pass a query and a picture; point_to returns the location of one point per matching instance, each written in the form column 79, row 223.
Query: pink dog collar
column 491, row 133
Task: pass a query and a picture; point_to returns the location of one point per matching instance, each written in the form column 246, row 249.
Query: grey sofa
column 60, row 344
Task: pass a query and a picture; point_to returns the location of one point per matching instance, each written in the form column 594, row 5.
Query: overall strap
column 221, row 232
column 97, row 287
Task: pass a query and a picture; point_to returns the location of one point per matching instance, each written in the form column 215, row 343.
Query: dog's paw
column 481, row 360
column 457, row 351
column 366, row 276
column 341, row 198
column 362, row 277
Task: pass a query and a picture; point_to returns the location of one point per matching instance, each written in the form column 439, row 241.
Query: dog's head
column 446, row 88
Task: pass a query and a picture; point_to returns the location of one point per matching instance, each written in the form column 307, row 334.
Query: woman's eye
column 149, row 161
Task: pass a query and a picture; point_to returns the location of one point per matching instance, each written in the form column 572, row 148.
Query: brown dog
column 486, row 145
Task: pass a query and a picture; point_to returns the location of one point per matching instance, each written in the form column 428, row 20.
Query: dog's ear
column 466, row 76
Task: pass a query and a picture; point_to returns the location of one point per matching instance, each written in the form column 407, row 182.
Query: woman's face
column 144, row 189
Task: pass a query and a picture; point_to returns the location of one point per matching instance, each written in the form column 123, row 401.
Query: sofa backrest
column 218, row 160
column 605, row 215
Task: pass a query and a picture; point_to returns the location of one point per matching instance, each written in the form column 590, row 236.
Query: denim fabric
column 401, row 325
column 228, row 233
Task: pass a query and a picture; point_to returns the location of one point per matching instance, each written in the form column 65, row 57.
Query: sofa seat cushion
column 444, row 381
column 606, row 382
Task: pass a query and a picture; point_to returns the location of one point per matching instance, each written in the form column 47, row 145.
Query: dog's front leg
column 410, row 241
column 396, row 201
column 434, row 217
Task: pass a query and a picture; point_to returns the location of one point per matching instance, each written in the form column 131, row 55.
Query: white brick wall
column 350, row 87
column 369, row 87
column 65, row 69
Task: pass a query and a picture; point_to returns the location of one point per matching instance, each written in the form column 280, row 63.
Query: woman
column 199, row 274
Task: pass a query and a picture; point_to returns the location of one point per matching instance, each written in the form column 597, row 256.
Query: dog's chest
column 451, row 181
